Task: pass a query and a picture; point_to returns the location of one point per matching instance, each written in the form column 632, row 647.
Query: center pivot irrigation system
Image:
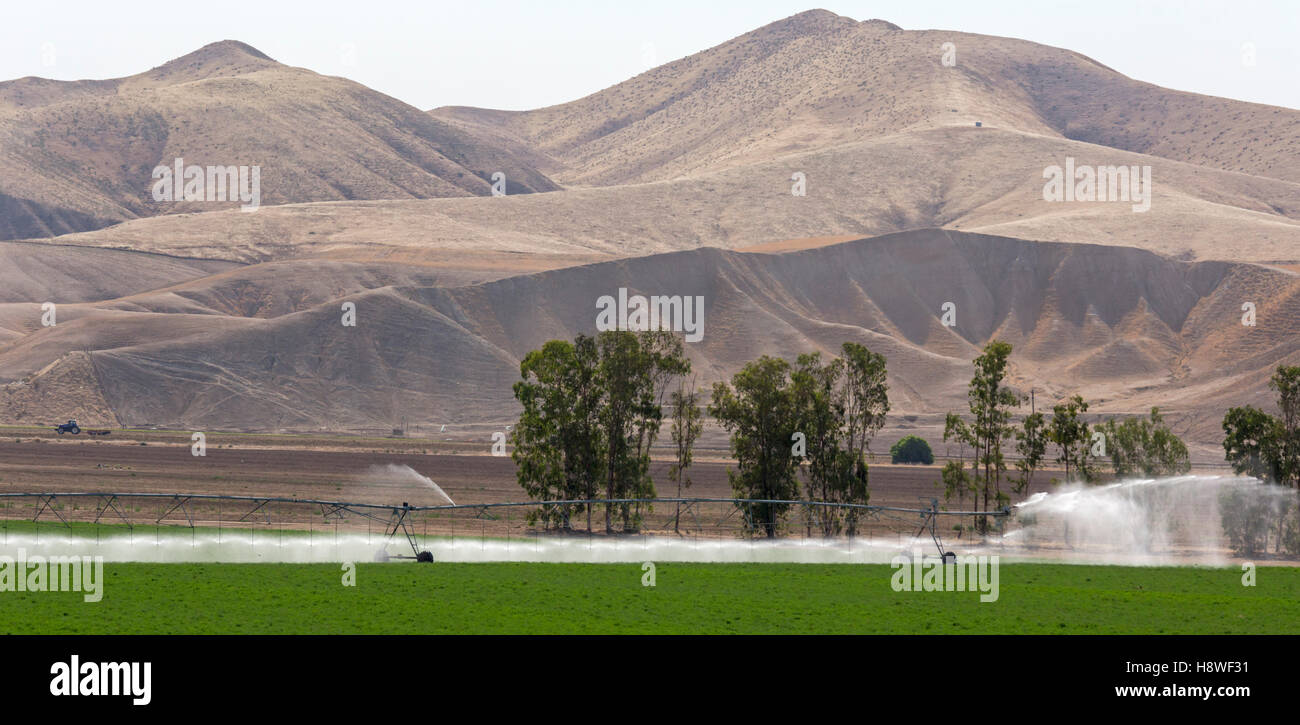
column 397, row 518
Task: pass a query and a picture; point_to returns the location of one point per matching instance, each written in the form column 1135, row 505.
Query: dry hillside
column 1126, row 327
column 986, row 180
column 817, row 80
column 80, row 155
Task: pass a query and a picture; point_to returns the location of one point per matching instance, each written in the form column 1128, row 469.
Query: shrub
column 911, row 449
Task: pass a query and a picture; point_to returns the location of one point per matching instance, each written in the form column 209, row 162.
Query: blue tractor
column 69, row 427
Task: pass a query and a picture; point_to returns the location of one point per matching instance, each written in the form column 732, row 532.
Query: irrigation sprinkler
column 398, row 520
column 930, row 520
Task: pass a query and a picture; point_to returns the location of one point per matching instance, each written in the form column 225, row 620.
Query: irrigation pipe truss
column 357, row 508
column 395, row 519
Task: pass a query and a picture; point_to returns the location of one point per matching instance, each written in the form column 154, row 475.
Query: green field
column 687, row 598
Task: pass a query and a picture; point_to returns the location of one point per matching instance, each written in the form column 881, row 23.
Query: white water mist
column 395, row 473
column 1173, row 520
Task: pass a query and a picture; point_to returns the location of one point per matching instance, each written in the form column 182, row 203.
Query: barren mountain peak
column 878, row 23
column 819, row 19
column 815, row 14
column 232, row 48
column 222, row 58
column 808, row 20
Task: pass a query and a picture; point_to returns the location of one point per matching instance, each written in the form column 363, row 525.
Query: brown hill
column 816, row 80
column 986, row 180
column 79, row 155
column 1126, row 327
column 42, row 272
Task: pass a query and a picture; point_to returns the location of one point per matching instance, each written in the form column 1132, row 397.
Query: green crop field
column 687, row 598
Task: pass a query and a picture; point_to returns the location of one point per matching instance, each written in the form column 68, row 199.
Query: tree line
column 593, row 407
column 1133, row 446
column 816, row 417
column 1256, row 443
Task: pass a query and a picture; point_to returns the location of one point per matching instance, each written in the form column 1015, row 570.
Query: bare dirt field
column 337, row 469
column 357, row 470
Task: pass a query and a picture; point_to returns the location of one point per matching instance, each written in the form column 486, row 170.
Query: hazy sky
column 519, row 55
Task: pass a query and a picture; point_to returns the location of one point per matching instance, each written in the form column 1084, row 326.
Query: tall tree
column 1070, row 434
column 841, row 404
column 558, row 447
column 686, row 428
column 820, row 419
column 591, row 411
column 1266, row 446
column 866, row 404
column 990, row 403
column 759, row 412
column 664, row 360
column 1252, row 443
column 1031, row 444
column 632, row 370
column 1286, row 382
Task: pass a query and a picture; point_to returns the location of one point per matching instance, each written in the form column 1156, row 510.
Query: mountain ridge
column 754, row 96
column 1126, row 327
column 81, row 153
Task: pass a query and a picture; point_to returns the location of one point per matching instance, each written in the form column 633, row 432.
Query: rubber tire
column 424, row 557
